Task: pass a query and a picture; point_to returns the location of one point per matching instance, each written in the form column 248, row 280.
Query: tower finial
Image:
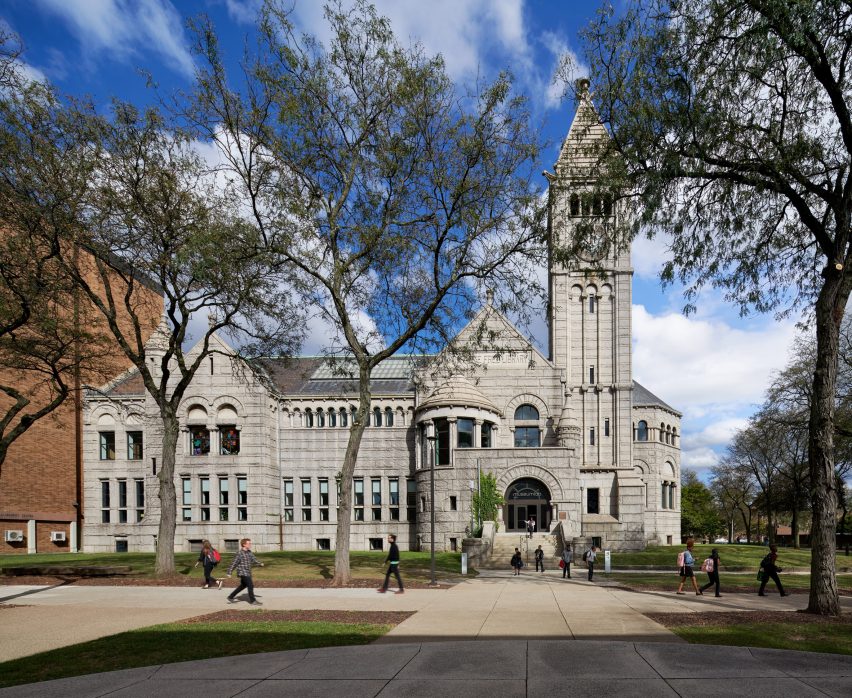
column 489, row 297
column 582, row 85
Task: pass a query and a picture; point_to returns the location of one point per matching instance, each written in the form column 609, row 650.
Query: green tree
column 732, row 134
column 487, row 500
column 400, row 199
column 145, row 210
column 699, row 516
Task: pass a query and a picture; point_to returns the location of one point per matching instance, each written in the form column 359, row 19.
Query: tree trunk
column 165, row 563
column 344, row 510
column 829, row 312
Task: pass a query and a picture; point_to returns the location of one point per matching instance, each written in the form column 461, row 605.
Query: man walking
column 530, row 526
column 770, row 571
column 243, row 561
column 539, row 559
column 567, row 557
column 393, row 566
column 591, row 554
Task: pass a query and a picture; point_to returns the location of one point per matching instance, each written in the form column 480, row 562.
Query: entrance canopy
column 524, row 499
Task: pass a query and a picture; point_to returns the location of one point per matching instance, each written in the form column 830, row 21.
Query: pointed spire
column 579, row 154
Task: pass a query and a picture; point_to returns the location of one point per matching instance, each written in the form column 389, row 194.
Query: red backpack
column 215, row 556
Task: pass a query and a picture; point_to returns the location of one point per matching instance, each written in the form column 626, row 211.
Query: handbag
column 760, row 575
column 562, row 564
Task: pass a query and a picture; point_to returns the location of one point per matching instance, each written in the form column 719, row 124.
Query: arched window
column 309, row 418
column 642, row 431
column 344, row 417
column 662, row 432
column 377, row 417
column 674, row 437
column 332, row 418
column 526, row 413
column 320, row 418
column 388, row 417
column 574, row 205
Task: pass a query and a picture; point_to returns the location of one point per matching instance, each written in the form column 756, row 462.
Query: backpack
column 707, row 566
column 215, row 556
column 680, row 559
column 767, row 560
column 586, row 556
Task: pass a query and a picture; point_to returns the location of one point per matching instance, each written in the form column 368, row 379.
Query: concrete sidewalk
column 506, row 616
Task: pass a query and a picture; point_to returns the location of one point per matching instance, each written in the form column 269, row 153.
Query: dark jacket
column 393, row 554
column 517, row 561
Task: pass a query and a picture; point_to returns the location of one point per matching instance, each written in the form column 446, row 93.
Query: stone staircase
column 505, row 544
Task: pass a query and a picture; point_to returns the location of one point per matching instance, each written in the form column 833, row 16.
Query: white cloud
column 124, row 29
column 648, row 256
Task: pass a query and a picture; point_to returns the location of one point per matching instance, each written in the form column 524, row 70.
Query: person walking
column 207, row 558
column 517, row 563
column 771, row 570
column 393, row 566
column 711, row 567
column 539, row 559
column 567, row 557
column 530, row 526
column 686, row 571
column 591, row 555
column 243, row 561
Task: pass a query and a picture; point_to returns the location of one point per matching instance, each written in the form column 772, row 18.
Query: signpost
column 607, row 566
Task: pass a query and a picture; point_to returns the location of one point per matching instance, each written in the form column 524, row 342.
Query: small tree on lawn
column 487, row 500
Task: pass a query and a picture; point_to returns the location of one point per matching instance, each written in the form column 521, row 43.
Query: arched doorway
column 525, row 498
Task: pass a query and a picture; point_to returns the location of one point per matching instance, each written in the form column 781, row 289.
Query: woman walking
column 207, row 558
column 686, row 568
column 711, row 566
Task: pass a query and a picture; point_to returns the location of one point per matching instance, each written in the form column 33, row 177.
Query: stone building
column 573, row 441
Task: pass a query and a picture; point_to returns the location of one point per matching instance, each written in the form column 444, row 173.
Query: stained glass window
column 229, row 437
column 200, row 440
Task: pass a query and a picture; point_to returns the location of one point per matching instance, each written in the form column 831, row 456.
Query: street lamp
column 433, row 442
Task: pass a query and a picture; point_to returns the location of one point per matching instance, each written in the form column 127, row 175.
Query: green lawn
column 730, row 581
column 178, row 642
column 829, row 637
column 280, row 566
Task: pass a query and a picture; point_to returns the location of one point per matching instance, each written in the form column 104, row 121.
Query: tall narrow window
column 107, row 440
column 205, row 498
column 288, row 500
column 592, row 375
column 309, row 418
column 376, row 499
column 671, row 496
column 393, row 493
column 140, row 499
column 229, row 438
column 186, row 489
column 223, row 498
column 464, row 429
column 344, row 417
column 332, row 418
column 134, row 445
column 591, row 436
column 454, row 503
column 122, row 501
column 665, row 498
column 242, row 499
column 359, row 499
column 388, row 417
column 642, row 431
column 320, row 418
column 104, row 501
column 411, row 500
column 485, row 435
column 377, row 417
column 593, row 500
column 592, row 299
column 606, row 426
column 323, row 498
column 306, row 500
column 199, row 440
column 442, row 428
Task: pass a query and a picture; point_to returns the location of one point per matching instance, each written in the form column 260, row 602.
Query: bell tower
column 590, row 298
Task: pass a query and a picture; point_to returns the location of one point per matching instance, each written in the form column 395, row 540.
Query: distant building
column 571, row 438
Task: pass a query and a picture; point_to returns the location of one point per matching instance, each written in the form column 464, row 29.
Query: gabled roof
column 642, row 397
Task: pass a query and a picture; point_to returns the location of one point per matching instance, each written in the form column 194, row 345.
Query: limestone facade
column 572, row 440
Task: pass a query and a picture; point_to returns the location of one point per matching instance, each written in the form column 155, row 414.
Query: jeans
column 713, row 578
column 209, row 565
column 246, row 582
column 591, row 569
column 771, row 573
column 566, row 571
column 392, row 569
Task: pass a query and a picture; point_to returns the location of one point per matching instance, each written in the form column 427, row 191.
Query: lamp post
column 434, row 445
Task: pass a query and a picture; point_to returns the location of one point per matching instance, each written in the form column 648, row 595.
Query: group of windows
column 668, row 434
column 441, row 441
column 374, row 499
column 589, row 205
column 122, row 500
column 331, row 417
column 668, row 495
column 208, row 498
column 593, row 432
column 199, row 440
column 106, row 443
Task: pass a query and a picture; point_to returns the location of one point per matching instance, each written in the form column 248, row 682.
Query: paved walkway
column 496, row 635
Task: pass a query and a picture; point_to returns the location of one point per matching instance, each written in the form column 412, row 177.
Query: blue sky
column 713, row 366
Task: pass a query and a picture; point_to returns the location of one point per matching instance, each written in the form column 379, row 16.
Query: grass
column 279, row 565
column 732, row 556
column 832, row 638
column 730, row 581
column 179, row 642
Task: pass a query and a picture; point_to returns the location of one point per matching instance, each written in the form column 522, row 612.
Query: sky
column 712, row 366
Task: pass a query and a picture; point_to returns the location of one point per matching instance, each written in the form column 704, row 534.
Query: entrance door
column 525, row 498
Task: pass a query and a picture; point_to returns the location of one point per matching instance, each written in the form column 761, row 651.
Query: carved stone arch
column 576, row 292
column 527, row 398
column 235, row 402
column 519, row 472
column 641, row 468
column 105, row 417
column 606, row 290
column 591, row 289
column 670, row 471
